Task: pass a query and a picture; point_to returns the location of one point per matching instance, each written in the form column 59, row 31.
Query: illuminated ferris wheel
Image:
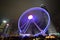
column 34, row 21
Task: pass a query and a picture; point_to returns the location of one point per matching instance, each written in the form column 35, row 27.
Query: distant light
column 4, row 21
column 30, row 17
column 25, row 34
column 7, row 24
column 50, row 37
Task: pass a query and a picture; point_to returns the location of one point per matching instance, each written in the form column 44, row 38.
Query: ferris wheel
column 34, row 21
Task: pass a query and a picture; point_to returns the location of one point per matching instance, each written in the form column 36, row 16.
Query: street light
column 4, row 21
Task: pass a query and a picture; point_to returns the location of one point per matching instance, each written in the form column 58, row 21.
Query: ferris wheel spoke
column 37, row 26
column 26, row 26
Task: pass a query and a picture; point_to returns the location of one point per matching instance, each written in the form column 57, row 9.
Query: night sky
column 12, row 9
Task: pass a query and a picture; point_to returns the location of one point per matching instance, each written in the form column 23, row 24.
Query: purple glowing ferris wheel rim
column 31, row 9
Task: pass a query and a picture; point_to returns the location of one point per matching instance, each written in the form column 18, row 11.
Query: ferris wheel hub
column 30, row 17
